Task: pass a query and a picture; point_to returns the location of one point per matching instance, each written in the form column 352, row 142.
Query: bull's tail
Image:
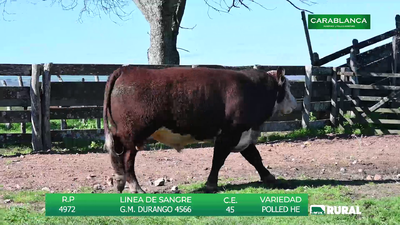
column 109, row 139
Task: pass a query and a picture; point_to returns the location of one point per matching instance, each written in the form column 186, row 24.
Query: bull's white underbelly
column 178, row 141
column 174, row 140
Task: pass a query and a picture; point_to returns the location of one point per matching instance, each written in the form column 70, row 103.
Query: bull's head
column 285, row 102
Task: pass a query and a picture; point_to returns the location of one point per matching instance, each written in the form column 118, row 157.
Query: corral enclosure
column 319, row 98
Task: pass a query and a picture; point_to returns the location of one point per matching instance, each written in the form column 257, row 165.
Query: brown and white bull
column 179, row 106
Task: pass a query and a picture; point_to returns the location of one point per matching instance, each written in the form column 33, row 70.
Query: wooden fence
column 45, row 98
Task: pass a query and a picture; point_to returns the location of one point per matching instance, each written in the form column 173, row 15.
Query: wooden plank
column 63, row 123
column 382, row 65
column 320, row 106
column 15, row 116
column 321, row 90
column 395, row 54
column 15, row 69
column 77, row 113
column 344, row 97
column 334, row 103
column 374, row 87
column 14, row 139
column 361, row 45
column 354, row 65
column 384, row 100
column 14, row 96
column 381, row 121
column 90, row 134
column 386, row 131
column 84, row 69
column 379, row 52
column 70, row 93
column 307, row 98
column 381, row 110
column 98, row 120
column 290, row 125
column 36, row 109
column 8, row 107
column 46, row 138
column 382, row 75
column 23, row 124
column 374, row 98
column 107, row 69
column 289, row 70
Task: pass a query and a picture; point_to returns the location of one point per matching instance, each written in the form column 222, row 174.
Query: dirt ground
column 349, row 161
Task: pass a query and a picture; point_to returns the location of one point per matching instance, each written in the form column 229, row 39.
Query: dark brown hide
column 204, row 103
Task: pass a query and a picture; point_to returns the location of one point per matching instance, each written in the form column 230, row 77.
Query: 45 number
column 230, row 209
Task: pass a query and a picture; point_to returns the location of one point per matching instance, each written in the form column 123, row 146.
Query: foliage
column 312, row 117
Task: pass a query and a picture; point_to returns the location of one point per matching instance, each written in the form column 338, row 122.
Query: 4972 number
column 67, row 209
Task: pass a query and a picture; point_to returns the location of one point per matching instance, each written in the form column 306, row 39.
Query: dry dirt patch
column 338, row 159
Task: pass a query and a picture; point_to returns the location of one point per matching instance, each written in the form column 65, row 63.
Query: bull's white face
column 289, row 103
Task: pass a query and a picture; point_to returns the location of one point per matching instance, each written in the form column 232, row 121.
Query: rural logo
column 324, row 210
column 317, row 210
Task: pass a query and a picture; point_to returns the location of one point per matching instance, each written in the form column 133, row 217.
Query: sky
column 41, row 33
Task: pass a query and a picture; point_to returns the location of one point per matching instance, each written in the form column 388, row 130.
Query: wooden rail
column 313, row 97
column 360, row 45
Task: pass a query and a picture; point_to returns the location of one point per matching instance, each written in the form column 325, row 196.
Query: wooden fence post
column 341, row 96
column 396, row 58
column 36, row 114
column 23, row 125
column 84, row 120
column 354, row 79
column 305, row 121
column 8, row 125
column 334, row 95
column 310, row 51
column 98, row 121
column 46, row 106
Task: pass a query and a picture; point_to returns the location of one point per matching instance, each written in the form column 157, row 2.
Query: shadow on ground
column 293, row 184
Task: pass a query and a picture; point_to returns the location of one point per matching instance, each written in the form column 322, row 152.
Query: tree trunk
column 164, row 17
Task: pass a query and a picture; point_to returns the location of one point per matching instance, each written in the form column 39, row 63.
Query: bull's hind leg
column 117, row 163
column 252, row 155
column 134, row 186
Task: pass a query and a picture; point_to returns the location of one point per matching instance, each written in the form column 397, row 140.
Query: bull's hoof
column 268, row 179
column 211, row 189
column 120, row 186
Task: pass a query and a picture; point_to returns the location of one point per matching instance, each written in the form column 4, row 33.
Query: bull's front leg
column 252, row 155
column 219, row 157
column 222, row 148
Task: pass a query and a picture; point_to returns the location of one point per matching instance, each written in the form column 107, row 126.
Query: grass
column 357, row 129
column 27, row 208
column 68, row 145
column 76, row 124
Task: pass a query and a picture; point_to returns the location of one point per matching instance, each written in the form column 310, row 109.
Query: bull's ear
column 280, row 73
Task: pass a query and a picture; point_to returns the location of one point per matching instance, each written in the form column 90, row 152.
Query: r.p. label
column 67, row 198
